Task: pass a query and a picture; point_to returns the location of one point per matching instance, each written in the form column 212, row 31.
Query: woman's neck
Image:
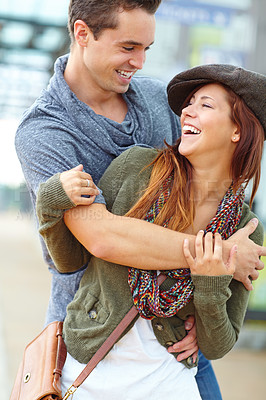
column 209, row 188
column 210, row 185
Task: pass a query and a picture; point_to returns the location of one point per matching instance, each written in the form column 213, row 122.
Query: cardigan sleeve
column 125, row 179
column 66, row 251
column 220, row 306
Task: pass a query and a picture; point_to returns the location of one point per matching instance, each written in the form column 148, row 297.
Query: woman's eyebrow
column 207, row 97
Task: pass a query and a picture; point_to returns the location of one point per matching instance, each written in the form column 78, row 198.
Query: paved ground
column 24, row 292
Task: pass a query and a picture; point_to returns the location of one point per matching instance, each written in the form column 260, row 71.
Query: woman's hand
column 209, row 260
column 187, row 347
column 78, row 184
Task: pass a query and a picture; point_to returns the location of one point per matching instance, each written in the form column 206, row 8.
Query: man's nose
column 138, row 60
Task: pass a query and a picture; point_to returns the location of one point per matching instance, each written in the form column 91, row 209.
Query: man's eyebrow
column 133, row 43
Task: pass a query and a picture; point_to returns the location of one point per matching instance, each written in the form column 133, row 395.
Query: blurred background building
column 33, row 34
column 189, row 32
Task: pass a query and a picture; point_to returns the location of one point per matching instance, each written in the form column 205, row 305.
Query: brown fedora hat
column 249, row 85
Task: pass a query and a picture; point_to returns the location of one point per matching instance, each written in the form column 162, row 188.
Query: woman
column 194, row 186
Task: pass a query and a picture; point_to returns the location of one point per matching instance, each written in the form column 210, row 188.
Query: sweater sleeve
column 66, row 251
column 125, row 179
column 220, row 306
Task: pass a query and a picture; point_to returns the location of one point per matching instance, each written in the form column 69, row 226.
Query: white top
column 136, row 368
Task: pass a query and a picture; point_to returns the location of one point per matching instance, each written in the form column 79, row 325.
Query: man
column 93, row 110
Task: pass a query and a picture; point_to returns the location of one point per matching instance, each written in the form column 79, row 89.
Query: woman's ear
column 81, row 33
column 235, row 136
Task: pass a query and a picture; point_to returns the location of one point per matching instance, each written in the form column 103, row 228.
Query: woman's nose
column 189, row 110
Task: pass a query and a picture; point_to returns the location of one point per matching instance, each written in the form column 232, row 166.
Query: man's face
column 112, row 60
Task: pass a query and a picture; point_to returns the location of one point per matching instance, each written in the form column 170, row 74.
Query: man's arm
column 128, row 241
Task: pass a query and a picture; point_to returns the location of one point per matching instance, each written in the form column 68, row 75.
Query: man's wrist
column 227, row 245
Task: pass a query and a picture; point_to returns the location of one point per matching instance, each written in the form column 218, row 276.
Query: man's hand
column 187, row 346
column 78, row 184
column 248, row 263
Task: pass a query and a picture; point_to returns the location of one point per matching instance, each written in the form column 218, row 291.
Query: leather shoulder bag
column 38, row 377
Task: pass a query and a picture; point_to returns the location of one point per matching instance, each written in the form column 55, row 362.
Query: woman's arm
column 220, row 305
column 220, row 301
column 67, row 252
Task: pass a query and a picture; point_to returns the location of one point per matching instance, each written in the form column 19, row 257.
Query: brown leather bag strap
column 106, row 346
column 61, row 355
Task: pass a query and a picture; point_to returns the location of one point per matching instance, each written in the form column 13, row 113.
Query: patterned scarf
column 148, row 297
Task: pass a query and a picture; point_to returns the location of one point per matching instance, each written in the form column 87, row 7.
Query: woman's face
column 207, row 128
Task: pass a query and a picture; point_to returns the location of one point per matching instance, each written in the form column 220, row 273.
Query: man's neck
column 109, row 104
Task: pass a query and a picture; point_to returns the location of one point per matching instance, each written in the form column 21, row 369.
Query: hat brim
column 180, row 91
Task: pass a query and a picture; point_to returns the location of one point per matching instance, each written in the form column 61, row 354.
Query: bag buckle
column 69, row 392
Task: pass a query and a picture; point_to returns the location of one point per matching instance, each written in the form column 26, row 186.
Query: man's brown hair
column 102, row 14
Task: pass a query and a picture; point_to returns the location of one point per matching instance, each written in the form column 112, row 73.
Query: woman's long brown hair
column 246, row 165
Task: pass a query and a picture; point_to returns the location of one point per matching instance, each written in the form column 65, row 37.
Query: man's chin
column 122, row 89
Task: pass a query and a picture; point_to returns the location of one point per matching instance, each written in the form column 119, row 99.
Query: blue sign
column 191, row 13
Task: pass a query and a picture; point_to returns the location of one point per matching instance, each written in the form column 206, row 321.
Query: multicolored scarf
column 150, row 299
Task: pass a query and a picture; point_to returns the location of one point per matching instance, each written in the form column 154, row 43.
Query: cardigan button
column 92, row 314
column 168, row 344
column 160, row 327
column 190, row 361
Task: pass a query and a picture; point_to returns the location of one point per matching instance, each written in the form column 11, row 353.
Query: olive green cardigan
column 104, row 297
